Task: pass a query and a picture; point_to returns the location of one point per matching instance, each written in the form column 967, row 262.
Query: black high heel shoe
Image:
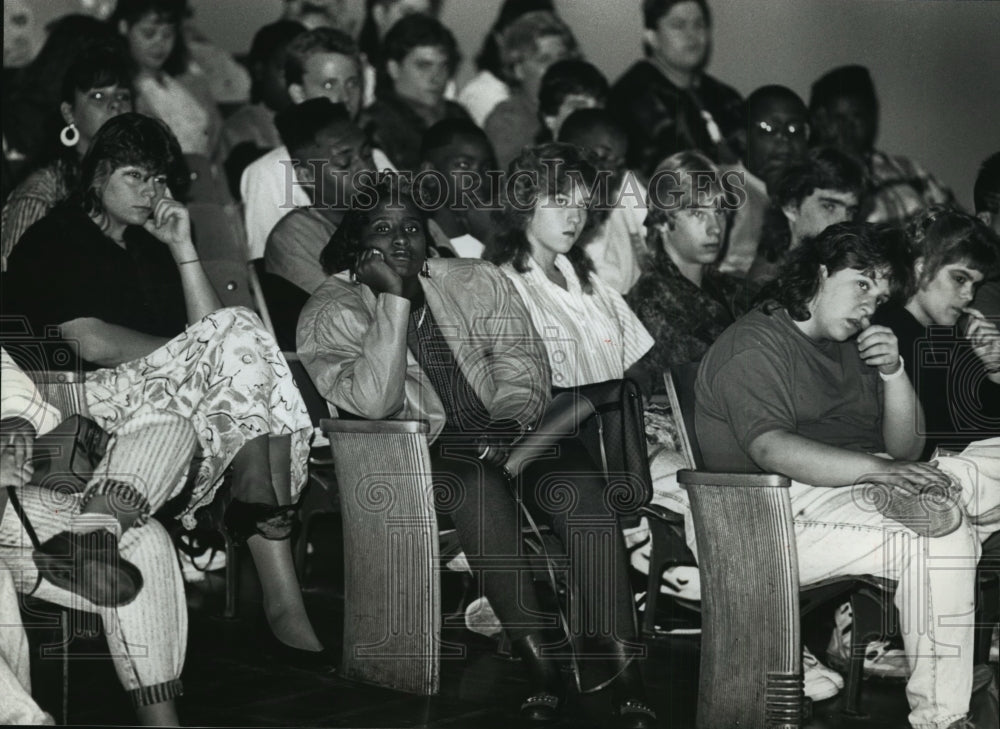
column 631, row 709
column 542, row 706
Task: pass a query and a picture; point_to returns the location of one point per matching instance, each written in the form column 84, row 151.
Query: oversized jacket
column 353, row 345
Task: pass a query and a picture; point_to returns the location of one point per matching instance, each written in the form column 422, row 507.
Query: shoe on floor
column 821, row 683
column 881, row 661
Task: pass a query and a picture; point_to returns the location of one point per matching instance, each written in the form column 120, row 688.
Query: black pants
column 565, row 491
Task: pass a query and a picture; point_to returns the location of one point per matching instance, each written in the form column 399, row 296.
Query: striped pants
column 148, row 637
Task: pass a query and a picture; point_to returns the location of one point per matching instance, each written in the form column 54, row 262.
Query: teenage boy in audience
column 807, row 387
column 420, row 57
column 320, row 62
column 844, row 111
column 667, row 101
column 566, row 87
column 460, row 155
column 617, row 244
column 986, row 196
column 528, row 47
column 811, row 196
column 250, row 131
column 775, row 138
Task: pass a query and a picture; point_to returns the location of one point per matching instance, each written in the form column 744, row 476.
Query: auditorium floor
column 230, row 682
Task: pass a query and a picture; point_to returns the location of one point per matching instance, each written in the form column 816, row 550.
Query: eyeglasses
column 791, row 130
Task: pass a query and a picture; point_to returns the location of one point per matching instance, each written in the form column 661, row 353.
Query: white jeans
column 838, row 533
column 16, row 704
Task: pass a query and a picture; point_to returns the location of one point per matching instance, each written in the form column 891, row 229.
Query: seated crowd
column 461, row 259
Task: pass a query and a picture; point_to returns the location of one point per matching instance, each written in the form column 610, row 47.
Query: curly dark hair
column 941, row 236
column 542, row 171
column 131, row 139
column 341, row 252
column 861, row 246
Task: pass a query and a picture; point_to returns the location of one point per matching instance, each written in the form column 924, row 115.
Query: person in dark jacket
column 667, row 101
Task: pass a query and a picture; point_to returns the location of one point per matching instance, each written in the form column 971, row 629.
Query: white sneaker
column 881, row 661
column 821, row 683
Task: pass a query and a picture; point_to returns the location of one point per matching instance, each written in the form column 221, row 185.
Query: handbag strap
column 16, row 503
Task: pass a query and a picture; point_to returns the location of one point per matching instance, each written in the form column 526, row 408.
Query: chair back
column 679, row 381
column 616, row 435
column 392, row 591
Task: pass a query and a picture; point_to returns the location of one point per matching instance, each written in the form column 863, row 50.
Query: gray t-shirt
column 764, row 374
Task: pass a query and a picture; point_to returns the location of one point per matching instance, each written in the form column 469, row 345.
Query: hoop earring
column 426, row 270
column 70, row 135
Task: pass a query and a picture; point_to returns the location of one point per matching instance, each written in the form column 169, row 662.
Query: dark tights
column 565, row 491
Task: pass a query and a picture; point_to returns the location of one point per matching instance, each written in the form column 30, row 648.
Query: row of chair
column 751, row 673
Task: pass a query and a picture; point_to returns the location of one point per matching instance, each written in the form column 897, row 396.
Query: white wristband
column 894, row 375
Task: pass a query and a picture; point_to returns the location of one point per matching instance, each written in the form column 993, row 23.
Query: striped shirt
column 30, row 202
column 589, row 337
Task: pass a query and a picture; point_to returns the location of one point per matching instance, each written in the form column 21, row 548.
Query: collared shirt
column 588, row 337
column 684, row 319
column 19, row 398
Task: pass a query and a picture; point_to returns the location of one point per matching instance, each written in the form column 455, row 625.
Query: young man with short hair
column 420, row 57
column 320, row 63
column 810, row 197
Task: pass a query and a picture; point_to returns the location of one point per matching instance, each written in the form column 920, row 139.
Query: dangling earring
column 426, row 270
column 69, row 135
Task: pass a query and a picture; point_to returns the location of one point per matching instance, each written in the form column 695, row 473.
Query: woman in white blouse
column 590, row 333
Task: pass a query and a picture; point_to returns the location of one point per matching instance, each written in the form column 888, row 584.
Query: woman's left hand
column 985, row 339
column 171, row 224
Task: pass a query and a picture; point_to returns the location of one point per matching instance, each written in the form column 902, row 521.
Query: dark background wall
column 936, row 64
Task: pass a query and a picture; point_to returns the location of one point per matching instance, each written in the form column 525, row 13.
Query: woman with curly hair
column 115, row 270
column 396, row 335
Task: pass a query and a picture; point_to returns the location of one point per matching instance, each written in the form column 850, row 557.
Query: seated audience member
column 810, row 197
column 986, row 196
column 250, row 132
column 116, row 271
column 29, row 121
column 320, row 62
column 590, row 333
column 168, row 89
column 684, row 303
column 487, row 89
column 459, row 214
column 77, row 564
column 330, row 154
column 320, row 14
column 844, row 111
column 420, row 56
column 380, row 17
column 807, row 387
column 775, row 139
column 666, row 101
column 567, row 86
column 96, row 87
column 528, row 46
column 616, row 243
column 369, row 347
column 951, row 352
